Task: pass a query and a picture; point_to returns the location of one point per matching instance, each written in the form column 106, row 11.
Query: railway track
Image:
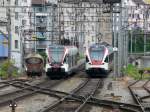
column 140, row 93
column 26, row 90
column 86, row 90
column 4, row 84
column 74, row 101
column 82, row 96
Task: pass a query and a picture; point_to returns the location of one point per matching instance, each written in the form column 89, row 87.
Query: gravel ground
column 99, row 109
column 38, row 101
column 7, row 89
column 116, row 90
column 10, row 88
column 69, row 85
column 33, row 104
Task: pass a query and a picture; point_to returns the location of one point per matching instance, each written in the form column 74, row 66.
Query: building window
column 16, row 29
column 132, row 15
column 24, row 22
column 16, row 44
column 138, row 16
column 40, row 9
column 92, row 28
column 92, row 38
column 16, row 15
column 16, row 2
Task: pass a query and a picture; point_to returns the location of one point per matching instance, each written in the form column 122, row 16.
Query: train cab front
column 95, row 60
column 55, row 70
column 55, row 57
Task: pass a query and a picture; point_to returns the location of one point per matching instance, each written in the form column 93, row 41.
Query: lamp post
column 9, row 31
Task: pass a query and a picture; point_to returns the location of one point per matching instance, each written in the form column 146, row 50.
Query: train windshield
column 34, row 60
column 56, row 55
column 97, row 53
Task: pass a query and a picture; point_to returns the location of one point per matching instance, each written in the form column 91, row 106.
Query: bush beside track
column 136, row 73
column 8, row 70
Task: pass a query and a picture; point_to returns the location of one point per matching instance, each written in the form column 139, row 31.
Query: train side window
column 66, row 59
column 48, row 60
column 87, row 60
column 107, row 59
column 69, row 61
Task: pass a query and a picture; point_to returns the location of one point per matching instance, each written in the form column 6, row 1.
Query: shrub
column 132, row 71
column 8, row 70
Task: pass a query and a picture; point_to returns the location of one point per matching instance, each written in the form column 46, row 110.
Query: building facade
column 43, row 17
column 84, row 23
column 3, row 31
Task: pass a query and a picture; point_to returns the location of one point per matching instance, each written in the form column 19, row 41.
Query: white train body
column 99, row 58
column 61, row 60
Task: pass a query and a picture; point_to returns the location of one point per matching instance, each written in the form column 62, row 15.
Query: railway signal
column 12, row 105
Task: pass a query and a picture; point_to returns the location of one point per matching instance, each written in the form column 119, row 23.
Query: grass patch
column 132, row 71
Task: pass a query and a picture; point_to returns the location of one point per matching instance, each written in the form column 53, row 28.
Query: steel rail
column 95, row 101
column 10, row 82
column 50, row 107
column 111, row 104
column 6, row 85
column 13, row 80
column 42, row 90
column 25, row 93
column 92, row 100
column 146, row 88
column 135, row 96
column 89, row 97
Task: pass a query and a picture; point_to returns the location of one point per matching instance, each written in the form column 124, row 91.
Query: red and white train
column 61, row 60
column 99, row 59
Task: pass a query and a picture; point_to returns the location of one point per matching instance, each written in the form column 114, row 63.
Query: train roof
column 103, row 44
column 55, row 46
column 34, row 55
column 100, row 44
column 61, row 46
column 71, row 50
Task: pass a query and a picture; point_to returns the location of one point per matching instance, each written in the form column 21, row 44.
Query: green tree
column 137, row 42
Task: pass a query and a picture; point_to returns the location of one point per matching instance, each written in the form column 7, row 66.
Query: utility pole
column 9, row 30
column 114, row 35
column 120, row 44
column 145, row 28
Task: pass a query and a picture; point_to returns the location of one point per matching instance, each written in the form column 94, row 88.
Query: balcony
column 41, row 24
column 41, row 14
column 41, row 47
column 40, row 36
